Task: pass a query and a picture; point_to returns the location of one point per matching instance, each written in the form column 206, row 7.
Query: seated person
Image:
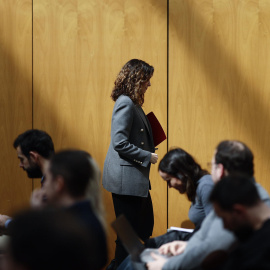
column 180, row 170
column 34, row 148
column 66, row 186
column 237, row 202
column 212, row 238
column 49, row 239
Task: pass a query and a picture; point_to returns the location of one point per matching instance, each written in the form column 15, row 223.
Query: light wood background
column 59, row 59
column 15, row 99
column 219, row 83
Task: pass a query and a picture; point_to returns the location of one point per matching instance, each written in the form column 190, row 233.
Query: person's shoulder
column 81, row 205
column 123, row 102
column 265, row 229
column 124, row 99
column 266, row 225
column 205, row 180
column 264, row 196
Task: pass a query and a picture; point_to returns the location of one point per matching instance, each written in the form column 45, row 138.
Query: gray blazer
column 127, row 164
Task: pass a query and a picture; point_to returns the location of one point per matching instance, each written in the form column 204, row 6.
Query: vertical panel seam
column 167, row 103
column 32, row 74
column 32, row 63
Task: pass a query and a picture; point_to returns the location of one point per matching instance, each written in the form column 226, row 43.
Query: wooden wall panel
column 218, row 81
column 219, row 84
column 15, row 99
column 79, row 47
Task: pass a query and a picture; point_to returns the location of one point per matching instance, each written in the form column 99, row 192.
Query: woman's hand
column 157, row 264
column 154, row 158
column 174, row 248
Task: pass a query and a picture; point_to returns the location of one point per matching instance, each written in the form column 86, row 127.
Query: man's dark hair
column 235, row 189
column 50, row 239
column 35, row 140
column 235, row 156
column 74, row 166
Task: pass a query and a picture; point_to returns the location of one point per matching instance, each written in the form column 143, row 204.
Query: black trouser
column 139, row 212
column 158, row 241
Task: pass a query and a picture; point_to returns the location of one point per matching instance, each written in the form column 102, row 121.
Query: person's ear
column 33, row 156
column 220, row 170
column 239, row 210
column 60, row 183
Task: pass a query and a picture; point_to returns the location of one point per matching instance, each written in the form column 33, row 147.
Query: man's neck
column 44, row 163
column 258, row 215
column 66, row 200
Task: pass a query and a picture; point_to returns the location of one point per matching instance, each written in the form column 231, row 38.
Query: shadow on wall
column 15, row 104
column 233, row 85
column 187, row 224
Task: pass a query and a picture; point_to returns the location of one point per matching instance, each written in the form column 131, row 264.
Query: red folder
column 158, row 132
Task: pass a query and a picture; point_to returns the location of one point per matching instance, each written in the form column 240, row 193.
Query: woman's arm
column 122, row 123
column 204, row 190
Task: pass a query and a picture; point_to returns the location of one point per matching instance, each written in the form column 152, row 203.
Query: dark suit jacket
column 82, row 210
column 127, row 164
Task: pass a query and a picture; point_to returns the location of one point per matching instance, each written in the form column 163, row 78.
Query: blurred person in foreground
column 49, row 239
column 67, row 180
column 237, row 202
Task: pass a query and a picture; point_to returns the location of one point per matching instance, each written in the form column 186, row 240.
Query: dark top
column 85, row 214
column 253, row 253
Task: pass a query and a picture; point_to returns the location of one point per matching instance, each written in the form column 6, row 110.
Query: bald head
column 235, row 157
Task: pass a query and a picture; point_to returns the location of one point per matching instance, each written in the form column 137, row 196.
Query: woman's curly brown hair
column 130, row 80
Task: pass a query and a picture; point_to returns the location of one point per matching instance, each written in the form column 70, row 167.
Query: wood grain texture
column 218, row 80
column 15, row 99
column 79, row 48
column 219, row 83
